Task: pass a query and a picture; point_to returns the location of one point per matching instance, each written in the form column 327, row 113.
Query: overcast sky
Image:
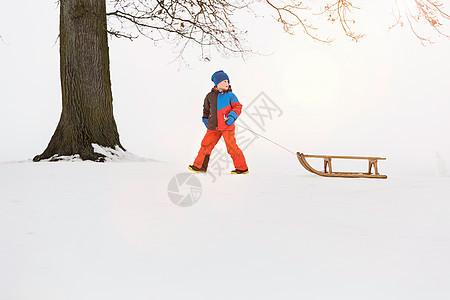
column 386, row 95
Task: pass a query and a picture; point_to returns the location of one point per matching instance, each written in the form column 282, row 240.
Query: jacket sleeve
column 206, row 107
column 235, row 105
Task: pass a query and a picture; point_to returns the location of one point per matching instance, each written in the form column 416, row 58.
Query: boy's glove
column 232, row 116
column 230, row 120
column 205, row 120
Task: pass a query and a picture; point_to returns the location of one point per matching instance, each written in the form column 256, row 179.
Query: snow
column 110, row 155
column 117, row 154
column 84, row 230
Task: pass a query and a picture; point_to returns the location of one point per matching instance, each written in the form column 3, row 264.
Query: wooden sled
column 328, row 170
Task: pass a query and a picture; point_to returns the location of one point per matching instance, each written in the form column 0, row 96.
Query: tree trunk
column 87, row 111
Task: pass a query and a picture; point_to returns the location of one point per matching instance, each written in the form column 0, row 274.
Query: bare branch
column 288, row 16
column 338, row 11
column 210, row 24
column 207, row 24
column 422, row 15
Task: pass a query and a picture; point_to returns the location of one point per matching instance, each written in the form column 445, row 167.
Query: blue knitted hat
column 219, row 76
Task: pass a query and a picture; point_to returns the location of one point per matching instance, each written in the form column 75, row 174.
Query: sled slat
column 373, row 162
column 345, row 157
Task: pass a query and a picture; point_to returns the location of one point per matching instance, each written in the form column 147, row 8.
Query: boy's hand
column 232, row 116
column 205, row 120
column 230, row 120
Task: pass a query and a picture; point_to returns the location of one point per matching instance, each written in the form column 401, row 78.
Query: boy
column 220, row 109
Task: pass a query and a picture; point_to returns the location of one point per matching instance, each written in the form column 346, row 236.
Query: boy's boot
column 195, row 169
column 203, row 168
column 236, row 171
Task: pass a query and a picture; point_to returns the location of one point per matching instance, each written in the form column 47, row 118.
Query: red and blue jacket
column 218, row 106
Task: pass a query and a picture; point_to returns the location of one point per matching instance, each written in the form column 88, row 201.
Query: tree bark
column 87, row 110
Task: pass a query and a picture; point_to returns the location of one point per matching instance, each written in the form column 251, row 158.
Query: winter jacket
column 217, row 106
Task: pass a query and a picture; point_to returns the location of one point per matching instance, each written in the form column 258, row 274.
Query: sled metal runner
column 328, row 170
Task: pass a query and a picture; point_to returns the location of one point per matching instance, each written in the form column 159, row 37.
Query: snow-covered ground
column 83, row 230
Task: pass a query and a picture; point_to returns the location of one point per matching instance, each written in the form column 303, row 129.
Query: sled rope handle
column 265, row 138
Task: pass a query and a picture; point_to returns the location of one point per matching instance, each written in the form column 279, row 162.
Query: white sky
column 385, row 96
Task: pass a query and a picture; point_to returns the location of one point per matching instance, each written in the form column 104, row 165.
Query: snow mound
column 118, row 154
column 110, row 155
column 56, row 157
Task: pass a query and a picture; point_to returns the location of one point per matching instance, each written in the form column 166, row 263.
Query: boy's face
column 223, row 85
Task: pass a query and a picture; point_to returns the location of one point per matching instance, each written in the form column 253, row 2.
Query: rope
column 266, row 138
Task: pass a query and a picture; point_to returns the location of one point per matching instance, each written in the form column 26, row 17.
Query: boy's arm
column 236, row 107
column 205, row 117
column 206, row 106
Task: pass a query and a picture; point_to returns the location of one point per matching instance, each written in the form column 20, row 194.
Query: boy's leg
column 209, row 141
column 234, row 150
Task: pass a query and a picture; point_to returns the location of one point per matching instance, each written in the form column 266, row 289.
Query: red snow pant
column 210, row 140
